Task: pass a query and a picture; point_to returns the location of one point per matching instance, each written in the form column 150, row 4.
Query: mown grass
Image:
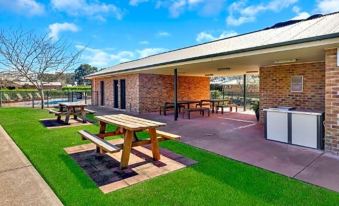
column 214, row 180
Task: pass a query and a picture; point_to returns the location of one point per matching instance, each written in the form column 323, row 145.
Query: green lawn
column 213, row 180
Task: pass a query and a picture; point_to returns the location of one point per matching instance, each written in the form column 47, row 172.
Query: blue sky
column 118, row 31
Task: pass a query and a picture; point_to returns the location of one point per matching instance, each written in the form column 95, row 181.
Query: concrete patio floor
column 239, row 137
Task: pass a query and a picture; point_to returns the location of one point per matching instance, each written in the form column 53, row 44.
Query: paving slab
column 324, row 172
column 20, row 183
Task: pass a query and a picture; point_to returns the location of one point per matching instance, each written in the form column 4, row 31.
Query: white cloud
column 137, row 2
column 88, row 8
column 56, row 28
column 24, row 7
column 163, row 34
column 105, row 57
column 144, row 42
column 240, row 12
column 300, row 14
column 327, row 6
column 207, row 36
column 204, row 7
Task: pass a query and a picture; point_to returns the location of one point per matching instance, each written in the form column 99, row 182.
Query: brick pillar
column 331, row 101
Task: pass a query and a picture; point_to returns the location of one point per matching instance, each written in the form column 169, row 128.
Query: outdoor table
column 128, row 126
column 213, row 101
column 188, row 102
column 73, row 108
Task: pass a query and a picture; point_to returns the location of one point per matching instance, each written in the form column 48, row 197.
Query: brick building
column 306, row 49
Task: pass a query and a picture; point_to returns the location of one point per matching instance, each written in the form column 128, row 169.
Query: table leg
column 212, row 107
column 83, row 115
column 102, row 129
column 155, row 144
column 68, row 114
column 126, row 150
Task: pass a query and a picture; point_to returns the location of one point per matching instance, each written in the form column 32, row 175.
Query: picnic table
column 71, row 108
column 188, row 102
column 214, row 101
column 128, row 126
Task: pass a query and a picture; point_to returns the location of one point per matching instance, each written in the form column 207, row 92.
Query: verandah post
column 175, row 94
column 244, row 92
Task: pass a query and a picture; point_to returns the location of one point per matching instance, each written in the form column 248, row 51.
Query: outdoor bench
column 88, row 111
column 104, row 146
column 227, row 106
column 167, row 106
column 202, row 111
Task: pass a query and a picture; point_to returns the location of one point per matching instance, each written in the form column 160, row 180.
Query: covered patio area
column 239, row 137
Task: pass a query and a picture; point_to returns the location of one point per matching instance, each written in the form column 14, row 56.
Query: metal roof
column 307, row 30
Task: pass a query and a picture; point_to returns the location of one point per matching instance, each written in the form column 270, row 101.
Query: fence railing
column 51, row 98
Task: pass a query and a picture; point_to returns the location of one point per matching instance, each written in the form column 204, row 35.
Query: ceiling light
column 209, row 75
column 284, row 61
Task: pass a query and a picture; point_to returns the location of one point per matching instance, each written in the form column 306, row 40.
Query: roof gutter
column 288, row 43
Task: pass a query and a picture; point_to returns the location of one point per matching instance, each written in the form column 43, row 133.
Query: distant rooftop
column 316, row 27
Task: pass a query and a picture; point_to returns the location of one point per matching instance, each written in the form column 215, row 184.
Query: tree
column 82, row 71
column 35, row 55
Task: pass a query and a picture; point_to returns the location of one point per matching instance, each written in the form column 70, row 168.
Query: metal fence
column 51, row 98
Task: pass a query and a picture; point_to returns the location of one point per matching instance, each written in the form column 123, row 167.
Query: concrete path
column 240, row 137
column 20, row 183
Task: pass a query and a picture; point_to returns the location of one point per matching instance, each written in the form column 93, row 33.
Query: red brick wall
column 155, row 90
column 332, row 101
column 275, row 86
column 146, row 92
column 132, row 91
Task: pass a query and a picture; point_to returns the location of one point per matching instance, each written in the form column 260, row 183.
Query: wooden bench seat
column 51, row 111
column 89, row 111
column 168, row 106
column 167, row 135
column 101, row 144
column 202, row 111
column 227, row 106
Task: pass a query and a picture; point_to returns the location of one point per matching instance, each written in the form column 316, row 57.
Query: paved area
column 20, row 183
column 105, row 169
column 240, row 137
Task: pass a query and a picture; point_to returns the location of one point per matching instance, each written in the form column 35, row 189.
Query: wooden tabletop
column 129, row 122
column 72, row 104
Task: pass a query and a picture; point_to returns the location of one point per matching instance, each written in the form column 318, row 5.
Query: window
column 297, row 84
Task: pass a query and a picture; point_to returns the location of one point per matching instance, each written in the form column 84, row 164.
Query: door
column 115, row 94
column 102, row 93
column 122, row 94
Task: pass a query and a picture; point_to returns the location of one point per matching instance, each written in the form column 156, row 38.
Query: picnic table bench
column 167, row 106
column 202, row 111
column 128, row 126
column 71, row 108
column 227, row 106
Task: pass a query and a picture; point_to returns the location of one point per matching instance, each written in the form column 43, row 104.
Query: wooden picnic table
column 128, row 126
column 72, row 108
column 214, row 101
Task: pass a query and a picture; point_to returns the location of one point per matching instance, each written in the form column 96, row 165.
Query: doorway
column 115, row 94
column 122, row 94
column 102, row 93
